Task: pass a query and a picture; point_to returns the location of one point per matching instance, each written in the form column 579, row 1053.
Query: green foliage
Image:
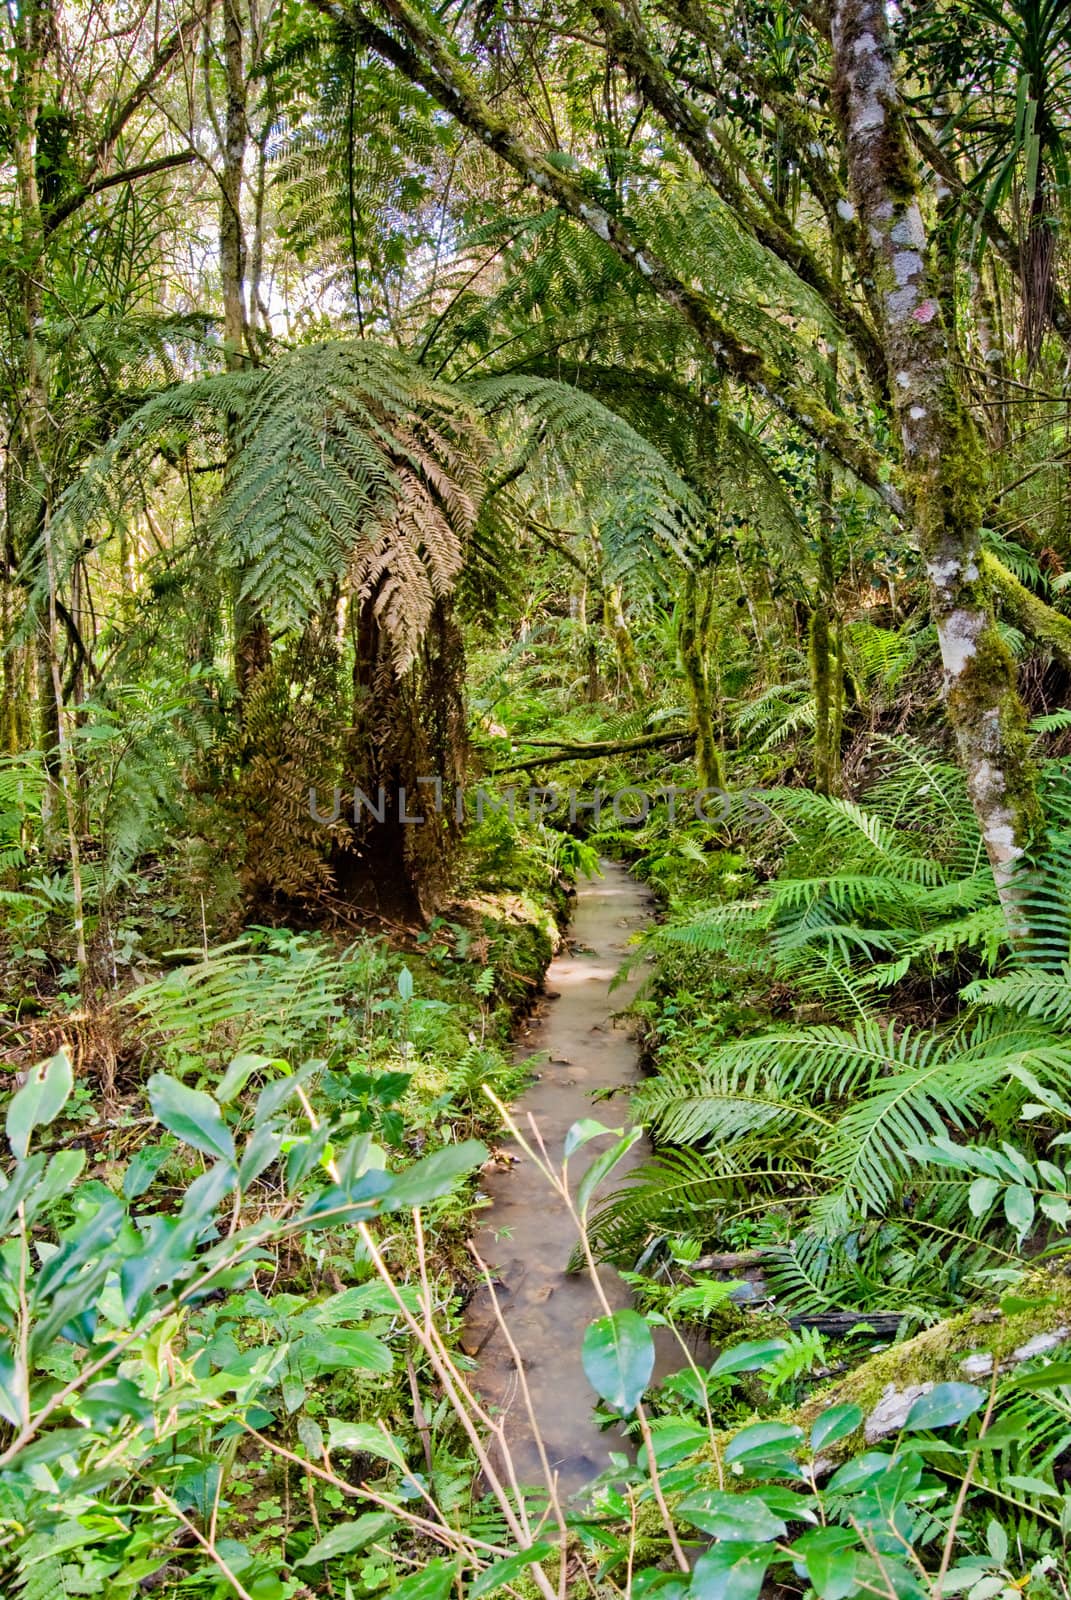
column 241, row 1000
column 22, row 788
column 332, row 475
column 143, row 1314
column 838, row 1150
column 861, row 1519
column 894, row 886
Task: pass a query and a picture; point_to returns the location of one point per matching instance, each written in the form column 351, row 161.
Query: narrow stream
column 527, row 1237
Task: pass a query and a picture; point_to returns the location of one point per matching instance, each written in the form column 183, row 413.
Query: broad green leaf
column 860, row 1471
column 143, row 1169
column 16, row 1190
column 239, row 1072
column 602, row 1166
column 618, row 1355
column 946, row 1404
column 731, row 1571
column 760, row 1437
column 274, row 1095
column 1053, row 1376
column 311, row 1435
column 345, row 1348
column 835, row 1424
column 829, row 1555
column 505, row 1571
column 1012, row 1304
column 436, row 1175
column 751, row 1356
column 1019, row 1209
column 363, row 1439
column 345, row 1537
column 191, row 1115
column 112, row 1403
column 1019, row 1164
column 731, row 1516
column 405, row 985
column 363, row 1298
column 294, row 1393
column 261, row 1149
column 59, row 1177
column 39, row 1101
column 1033, row 1486
column 433, row 1583
column 651, row 1581
column 981, row 1195
column 13, row 1401
column 584, row 1130
column 675, row 1438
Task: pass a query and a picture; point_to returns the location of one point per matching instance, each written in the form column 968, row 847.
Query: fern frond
column 349, row 462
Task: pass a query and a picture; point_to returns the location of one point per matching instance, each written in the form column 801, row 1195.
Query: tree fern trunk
column 406, row 728
column 942, row 454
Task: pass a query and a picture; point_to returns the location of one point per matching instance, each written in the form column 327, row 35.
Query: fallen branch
column 599, row 748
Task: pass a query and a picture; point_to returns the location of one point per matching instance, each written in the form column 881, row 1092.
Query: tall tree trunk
column 627, row 655
column 942, row 455
column 827, row 676
column 252, row 645
column 31, row 447
column 694, row 627
column 231, row 235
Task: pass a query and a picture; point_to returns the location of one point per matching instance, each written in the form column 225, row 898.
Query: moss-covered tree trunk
column 824, row 645
column 694, row 630
column 943, row 461
column 32, row 447
column 628, row 659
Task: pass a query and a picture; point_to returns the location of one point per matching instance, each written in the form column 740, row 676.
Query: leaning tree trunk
column 942, row 454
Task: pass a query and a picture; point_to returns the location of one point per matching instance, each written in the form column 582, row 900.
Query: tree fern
column 568, row 435
column 349, row 463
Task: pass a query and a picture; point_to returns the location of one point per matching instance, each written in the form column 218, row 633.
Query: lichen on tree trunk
column 942, row 456
column 627, row 655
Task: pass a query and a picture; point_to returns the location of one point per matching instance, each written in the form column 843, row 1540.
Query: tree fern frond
column 349, row 461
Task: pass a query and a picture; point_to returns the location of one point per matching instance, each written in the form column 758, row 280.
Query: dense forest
column 535, row 799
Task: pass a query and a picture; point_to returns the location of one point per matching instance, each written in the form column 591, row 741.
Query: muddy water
column 526, row 1236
